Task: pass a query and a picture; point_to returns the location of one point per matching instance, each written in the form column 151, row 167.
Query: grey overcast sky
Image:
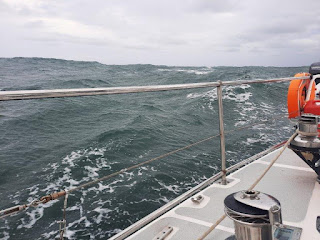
column 168, row 32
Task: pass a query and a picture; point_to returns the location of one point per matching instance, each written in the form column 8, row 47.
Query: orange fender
column 297, row 94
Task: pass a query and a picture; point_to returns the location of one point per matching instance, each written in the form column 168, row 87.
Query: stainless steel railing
column 59, row 93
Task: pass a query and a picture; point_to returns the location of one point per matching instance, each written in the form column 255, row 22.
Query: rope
column 213, row 227
column 56, row 195
column 273, row 161
column 251, row 187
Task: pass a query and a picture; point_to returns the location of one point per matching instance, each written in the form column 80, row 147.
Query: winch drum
column 251, row 223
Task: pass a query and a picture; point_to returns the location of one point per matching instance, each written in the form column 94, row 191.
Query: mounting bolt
column 275, row 209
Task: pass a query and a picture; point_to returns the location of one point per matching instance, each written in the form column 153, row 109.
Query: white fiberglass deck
column 290, row 180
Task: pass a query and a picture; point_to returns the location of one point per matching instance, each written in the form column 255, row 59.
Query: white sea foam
column 229, row 93
column 92, row 171
column 131, row 184
column 171, row 188
column 71, row 158
column 212, row 94
column 60, row 176
column 101, row 187
column 71, row 234
column 261, row 137
column 202, row 71
column 5, row 235
column 103, row 212
column 33, row 190
column 50, row 235
column 130, row 175
column 5, row 228
column 164, row 199
column 34, row 215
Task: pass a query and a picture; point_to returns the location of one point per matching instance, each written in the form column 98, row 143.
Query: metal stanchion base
column 227, row 181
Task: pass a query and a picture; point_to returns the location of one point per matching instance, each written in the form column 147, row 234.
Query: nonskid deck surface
column 290, row 180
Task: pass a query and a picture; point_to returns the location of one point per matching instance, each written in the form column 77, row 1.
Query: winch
column 307, row 143
column 257, row 216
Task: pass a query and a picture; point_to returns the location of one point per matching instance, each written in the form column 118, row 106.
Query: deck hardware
column 252, row 194
column 257, row 215
column 307, row 144
column 227, row 180
column 198, row 199
column 164, row 233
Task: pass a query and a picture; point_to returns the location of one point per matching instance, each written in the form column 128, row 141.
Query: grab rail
column 76, row 92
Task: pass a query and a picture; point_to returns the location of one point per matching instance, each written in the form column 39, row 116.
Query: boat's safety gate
column 257, row 216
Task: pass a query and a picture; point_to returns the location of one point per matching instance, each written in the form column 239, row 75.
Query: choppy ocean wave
column 55, row 144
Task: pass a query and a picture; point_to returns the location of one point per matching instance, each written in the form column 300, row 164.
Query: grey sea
column 49, row 145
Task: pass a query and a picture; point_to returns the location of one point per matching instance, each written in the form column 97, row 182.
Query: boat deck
column 290, row 180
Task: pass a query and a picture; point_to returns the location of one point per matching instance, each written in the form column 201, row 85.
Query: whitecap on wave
column 202, row 71
column 228, row 93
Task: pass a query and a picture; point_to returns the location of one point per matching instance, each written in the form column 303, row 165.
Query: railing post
column 222, row 141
